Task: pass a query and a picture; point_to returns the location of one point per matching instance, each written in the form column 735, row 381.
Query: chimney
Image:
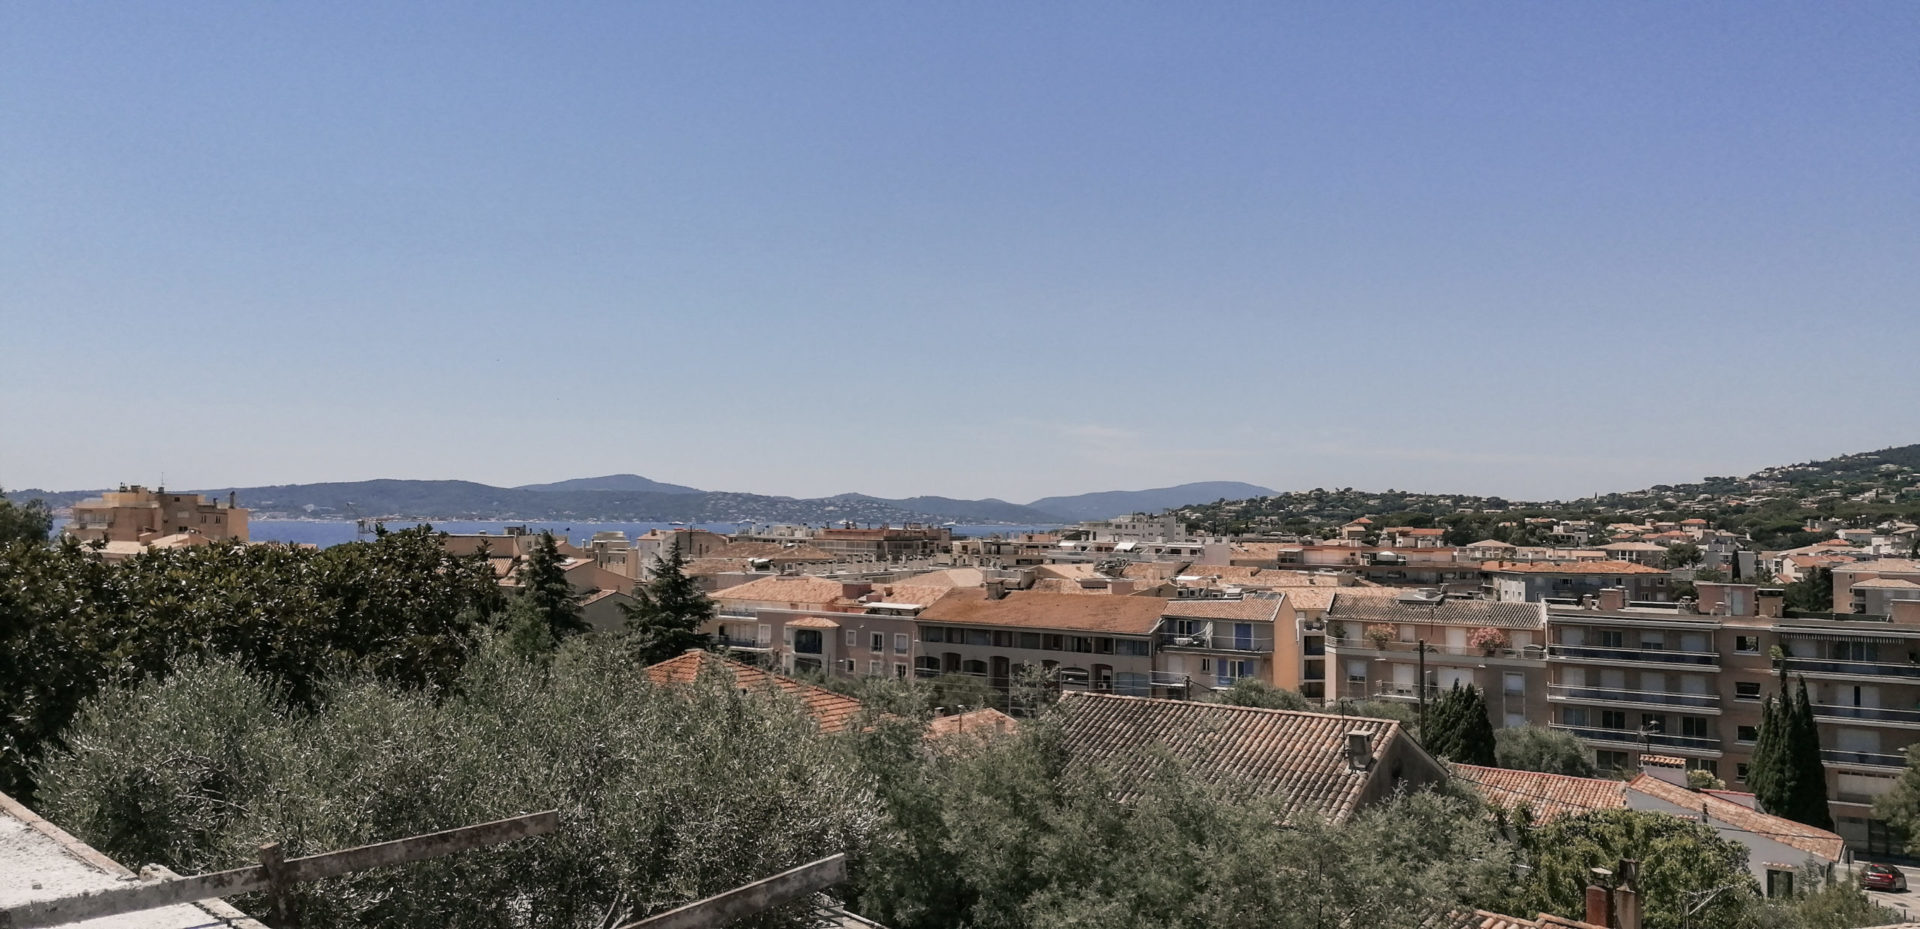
column 1599, row 901
column 1626, row 897
column 1613, row 598
column 1359, row 749
column 996, row 590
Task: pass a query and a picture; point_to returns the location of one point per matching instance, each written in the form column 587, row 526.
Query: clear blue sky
column 1536, row 249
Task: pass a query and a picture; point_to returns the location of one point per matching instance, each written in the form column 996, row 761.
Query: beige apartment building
column 1102, row 643
column 136, row 514
column 1208, row 644
column 1374, row 644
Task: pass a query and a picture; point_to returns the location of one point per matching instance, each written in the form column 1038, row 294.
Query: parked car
column 1882, row 877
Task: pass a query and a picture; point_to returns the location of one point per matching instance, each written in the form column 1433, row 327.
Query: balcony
column 1863, row 759
column 1411, row 649
column 1634, row 655
column 1710, row 702
column 1853, row 668
column 1214, row 641
column 725, row 641
column 1636, row 739
column 1872, row 713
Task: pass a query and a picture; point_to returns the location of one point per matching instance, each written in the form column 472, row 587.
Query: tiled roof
column 1226, row 573
column 813, row 622
column 794, row 589
column 1036, row 610
column 1297, row 759
column 1483, row 919
column 1785, row 831
column 1448, row 612
column 951, row 577
column 918, row 594
column 1153, row 570
column 1247, row 609
column 1568, row 567
column 1547, row 795
column 1318, row 599
column 1491, row 543
column 1892, row 583
column 982, row 721
column 834, row 712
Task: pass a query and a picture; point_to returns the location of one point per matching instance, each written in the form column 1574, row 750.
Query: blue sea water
column 325, row 532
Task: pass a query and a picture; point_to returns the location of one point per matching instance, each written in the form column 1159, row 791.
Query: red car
column 1882, row 877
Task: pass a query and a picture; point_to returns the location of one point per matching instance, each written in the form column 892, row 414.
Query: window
column 1653, row 722
column 876, row 668
column 853, row 637
column 1610, row 638
column 1135, row 647
column 1079, row 643
column 1051, row 643
column 764, row 635
column 1356, row 671
column 1694, row 727
column 1030, row 640
column 933, row 634
column 1607, row 761
column 1002, row 639
column 1740, row 772
column 1779, row 882
column 1746, row 690
column 1749, row 644
column 1746, row 734
column 900, row 670
column 1514, row 684
column 808, row 642
column 902, row 642
column 1103, row 646
column 878, row 642
column 1573, row 715
column 1613, row 719
column 978, row 637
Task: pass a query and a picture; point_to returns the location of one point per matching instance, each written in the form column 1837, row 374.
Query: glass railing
column 725, row 641
column 1635, row 737
column 1613, row 695
column 1871, row 668
column 1884, row 714
column 1654, row 655
column 1870, row 759
column 1214, row 641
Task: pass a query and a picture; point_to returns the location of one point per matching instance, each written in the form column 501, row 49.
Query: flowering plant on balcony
column 1488, row 639
column 1380, row 634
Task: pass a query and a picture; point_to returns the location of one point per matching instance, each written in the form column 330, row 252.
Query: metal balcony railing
column 1643, row 655
column 1869, row 759
column 1881, row 713
column 1614, row 695
column 725, row 641
column 1647, row 739
column 1215, row 641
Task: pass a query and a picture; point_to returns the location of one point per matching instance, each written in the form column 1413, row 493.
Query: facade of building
column 1091, row 642
column 136, row 514
column 1374, row 644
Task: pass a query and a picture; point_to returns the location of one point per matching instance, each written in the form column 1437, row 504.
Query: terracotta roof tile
column 1547, row 795
column 982, row 722
column 796, row 590
column 1785, row 831
column 1256, row 609
column 1297, row 759
column 1033, row 609
column 834, row 712
column 1448, row 612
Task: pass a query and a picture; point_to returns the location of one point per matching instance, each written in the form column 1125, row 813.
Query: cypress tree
column 1807, row 802
column 544, row 587
column 1763, row 770
column 1458, row 728
column 670, row 609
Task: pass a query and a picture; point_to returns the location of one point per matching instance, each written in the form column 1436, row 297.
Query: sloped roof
column 1892, row 583
column 1805, row 838
column 1568, row 567
column 983, row 721
column 834, row 712
column 951, row 577
column 797, row 589
column 1313, row 599
column 1448, row 612
column 1490, row 543
column 1033, row 609
column 1246, row 609
column 1548, row 796
column 1297, row 759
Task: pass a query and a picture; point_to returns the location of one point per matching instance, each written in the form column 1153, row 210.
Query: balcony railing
column 726, row 641
column 1215, row 641
column 1647, row 739
column 1645, row 655
column 1866, row 668
column 1410, row 649
column 1613, row 695
column 1869, row 759
column 1881, row 713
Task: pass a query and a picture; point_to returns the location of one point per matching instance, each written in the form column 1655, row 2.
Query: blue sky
column 966, row 249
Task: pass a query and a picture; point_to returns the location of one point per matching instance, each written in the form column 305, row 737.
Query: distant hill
column 1113, row 503
column 630, row 483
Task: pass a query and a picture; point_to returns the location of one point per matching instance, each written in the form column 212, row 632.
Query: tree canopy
column 1458, row 728
column 668, row 611
column 27, row 522
column 1537, row 748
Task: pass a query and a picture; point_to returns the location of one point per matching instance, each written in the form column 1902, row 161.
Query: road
column 1905, row 902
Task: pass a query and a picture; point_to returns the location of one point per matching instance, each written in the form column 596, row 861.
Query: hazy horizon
column 991, row 250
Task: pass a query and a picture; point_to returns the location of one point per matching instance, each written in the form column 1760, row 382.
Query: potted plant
column 1380, row 634
column 1488, row 640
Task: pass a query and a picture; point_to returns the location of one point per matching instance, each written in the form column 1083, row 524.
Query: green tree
column 1677, row 856
column 1683, row 555
column 1787, row 775
column 545, row 589
column 1537, row 748
column 1813, row 592
column 24, row 522
column 1709, row 576
column 1249, row 691
column 1458, row 728
column 669, row 610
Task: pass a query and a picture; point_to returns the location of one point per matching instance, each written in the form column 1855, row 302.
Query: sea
column 325, row 532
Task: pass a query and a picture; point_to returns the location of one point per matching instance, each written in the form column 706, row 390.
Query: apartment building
column 885, row 543
column 1375, row 646
column 1867, row 586
column 1533, row 581
column 1101, row 643
column 136, row 514
column 1211, row 643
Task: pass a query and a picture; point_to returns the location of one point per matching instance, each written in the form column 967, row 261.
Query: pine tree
column 544, row 586
column 666, row 619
